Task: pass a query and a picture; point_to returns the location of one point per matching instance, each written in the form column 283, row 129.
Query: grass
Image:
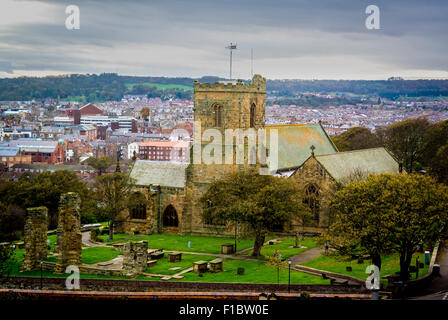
column 180, row 243
column 389, row 265
column 163, row 266
column 283, row 248
column 254, row 272
column 95, row 254
column 161, row 85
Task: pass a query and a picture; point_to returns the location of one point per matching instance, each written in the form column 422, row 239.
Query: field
column 161, row 86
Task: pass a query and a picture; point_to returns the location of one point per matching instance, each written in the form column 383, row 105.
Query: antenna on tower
column 231, row 47
column 251, row 63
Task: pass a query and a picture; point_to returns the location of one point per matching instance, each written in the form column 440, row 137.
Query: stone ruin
column 69, row 239
column 135, row 258
column 35, row 238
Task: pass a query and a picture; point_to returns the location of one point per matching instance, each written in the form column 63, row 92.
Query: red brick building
column 49, row 152
column 165, row 151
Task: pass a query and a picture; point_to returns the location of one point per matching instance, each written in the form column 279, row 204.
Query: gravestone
column 200, row 266
column 174, row 257
column 69, row 239
column 35, row 235
column 215, row 265
column 227, row 248
column 135, row 258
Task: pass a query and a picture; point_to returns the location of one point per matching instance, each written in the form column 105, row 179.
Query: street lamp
column 289, row 275
column 41, row 276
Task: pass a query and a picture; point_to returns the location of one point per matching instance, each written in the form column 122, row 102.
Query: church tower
column 231, row 105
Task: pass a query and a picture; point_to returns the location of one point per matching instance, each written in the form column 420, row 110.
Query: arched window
column 217, row 111
column 312, row 200
column 137, row 204
column 252, row 115
column 138, row 212
column 170, row 218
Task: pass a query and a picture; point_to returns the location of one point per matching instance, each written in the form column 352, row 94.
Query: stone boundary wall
column 55, row 295
column 51, row 266
column 329, row 274
column 155, row 286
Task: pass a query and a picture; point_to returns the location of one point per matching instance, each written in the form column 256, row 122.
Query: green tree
column 7, row 259
column 100, row 164
column 114, row 189
column 436, row 154
column 407, row 140
column 261, row 203
column 356, row 138
column 45, row 189
column 390, row 213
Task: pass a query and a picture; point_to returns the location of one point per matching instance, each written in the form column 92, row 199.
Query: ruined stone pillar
column 69, row 241
column 35, row 235
column 135, row 258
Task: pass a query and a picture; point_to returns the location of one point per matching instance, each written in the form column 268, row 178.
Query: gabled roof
column 295, row 140
column 341, row 165
column 158, row 173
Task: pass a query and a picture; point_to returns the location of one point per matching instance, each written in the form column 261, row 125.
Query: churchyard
column 263, row 269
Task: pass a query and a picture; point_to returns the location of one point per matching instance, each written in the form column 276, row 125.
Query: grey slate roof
column 159, row 173
column 341, row 165
column 8, row 151
column 295, row 140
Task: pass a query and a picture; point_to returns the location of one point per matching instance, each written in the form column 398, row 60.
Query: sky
column 290, row 39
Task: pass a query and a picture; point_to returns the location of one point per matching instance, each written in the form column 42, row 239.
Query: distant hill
column 384, row 88
column 110, row 86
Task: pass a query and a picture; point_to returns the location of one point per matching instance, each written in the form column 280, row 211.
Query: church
column 166, row 195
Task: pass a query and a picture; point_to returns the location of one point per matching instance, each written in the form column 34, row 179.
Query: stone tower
column 69, row 246
column 35, row 238
column 230, row 105
column 220, row 106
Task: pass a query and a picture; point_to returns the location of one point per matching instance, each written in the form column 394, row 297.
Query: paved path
column 86, row 240
column 307, row 255
column 438, row 290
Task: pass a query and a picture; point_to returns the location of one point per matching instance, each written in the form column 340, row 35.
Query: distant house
column 48, row 152
column 90, row 110
column 10, row 156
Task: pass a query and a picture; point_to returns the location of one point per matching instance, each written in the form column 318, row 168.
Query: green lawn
column 283, row 248
column 180, row 243
column 389, row 265
column 163, row 266
column 161, row 85
column 95, row 255
column 254, row 272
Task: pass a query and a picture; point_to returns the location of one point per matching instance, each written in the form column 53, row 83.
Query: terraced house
column 167, row 193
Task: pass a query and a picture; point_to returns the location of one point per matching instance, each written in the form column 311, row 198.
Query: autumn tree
column 260, row 203
column 145, row 113
column 389, row 213
column 407, row 140
column 356, row 138
column 114, row 189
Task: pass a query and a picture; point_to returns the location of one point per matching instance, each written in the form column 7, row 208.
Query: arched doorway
column 312, row 200
column 170, row 218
